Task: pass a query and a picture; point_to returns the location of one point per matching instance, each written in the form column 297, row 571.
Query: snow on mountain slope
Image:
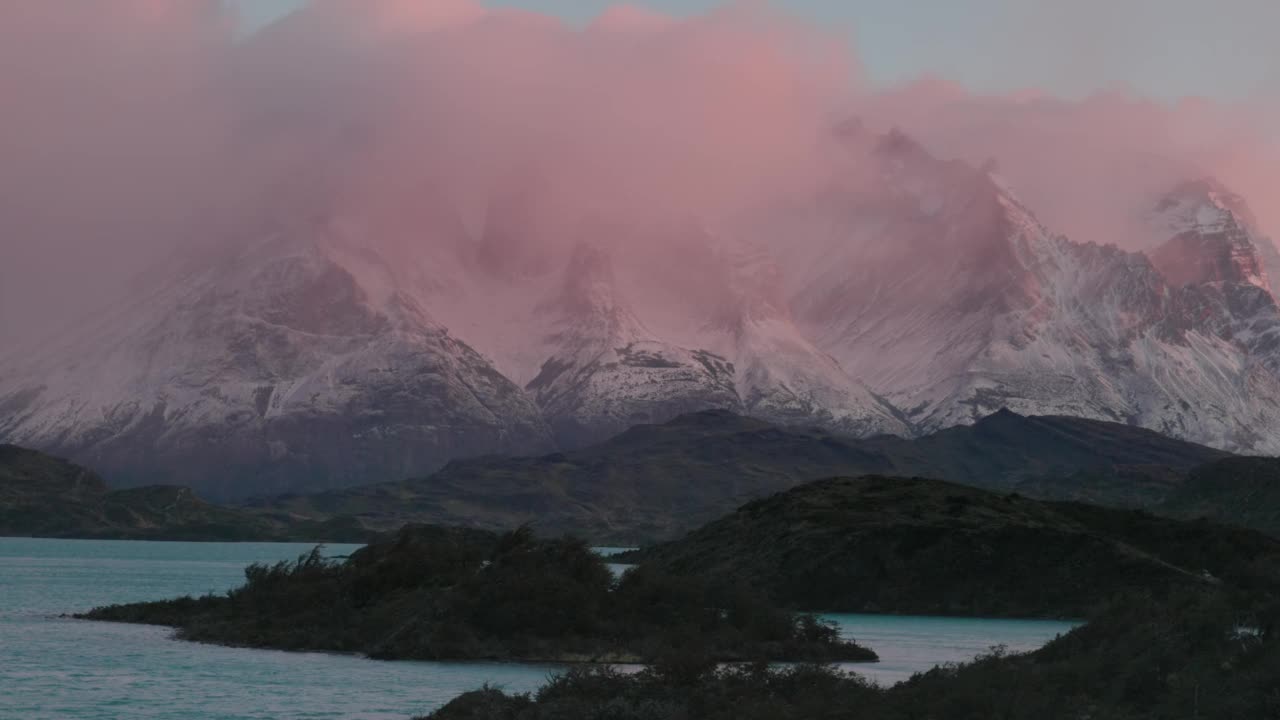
column 781, row 376
column 273, row 369
column 693, row 321
column 1112, row 339
column 383, row 336
column 605, row 372
column 612, row 348
column 1234, row 212
column 943, row 291
column 907, row 276
column 1208, row 238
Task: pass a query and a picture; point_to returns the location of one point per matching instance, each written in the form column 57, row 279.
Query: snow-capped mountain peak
column 271, row 369
column 1210, row 237
column 604, row 371
column 379, row 339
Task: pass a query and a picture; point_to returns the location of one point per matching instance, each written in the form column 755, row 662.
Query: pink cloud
column 1092, row 167
column 135, row 126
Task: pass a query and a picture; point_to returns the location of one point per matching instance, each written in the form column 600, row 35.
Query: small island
column 436, row 593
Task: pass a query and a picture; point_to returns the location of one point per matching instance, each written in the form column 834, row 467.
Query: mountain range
column 325, row 345
column 657, row 482
column 43, row 496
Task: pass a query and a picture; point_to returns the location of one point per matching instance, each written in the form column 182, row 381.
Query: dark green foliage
column 1192, row 654
column 1243, row 491
column 1188, row 654
column 450, row 593
column 742, row 692
column 44, row 496
column 879, row 544
column 636, row 487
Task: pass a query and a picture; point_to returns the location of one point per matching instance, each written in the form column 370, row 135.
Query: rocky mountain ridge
column 315, row 353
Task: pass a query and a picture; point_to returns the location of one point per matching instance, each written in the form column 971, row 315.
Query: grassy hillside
column 650, row 483
column 1243, row 491
column 657, row 482
column 44, row 496
column 886, row 544
column 1005, row 449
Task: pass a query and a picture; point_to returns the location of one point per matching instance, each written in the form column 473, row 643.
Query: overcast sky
column 1168, row 49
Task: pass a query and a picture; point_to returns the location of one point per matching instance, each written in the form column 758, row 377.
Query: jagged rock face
column 782, row 377
column 913, row 276
column 606, row 371
column 274, row 370
column 953, row 301
column 1212, row 236
column 1210, row 239
column 1118, row 341
column 912, row 295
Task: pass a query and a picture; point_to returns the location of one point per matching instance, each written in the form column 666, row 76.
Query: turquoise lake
column 54, row 668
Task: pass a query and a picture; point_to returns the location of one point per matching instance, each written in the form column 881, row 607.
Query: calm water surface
column 54, row 668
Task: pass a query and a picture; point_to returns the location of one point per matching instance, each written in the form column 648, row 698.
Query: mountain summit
column 910, row 294
column 280, row 366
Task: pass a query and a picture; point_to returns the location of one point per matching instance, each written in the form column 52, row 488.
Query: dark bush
column 439, row 593
column 1191, row 654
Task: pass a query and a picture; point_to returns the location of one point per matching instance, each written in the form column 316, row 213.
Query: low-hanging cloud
column 136, row 128
column 1091, row 168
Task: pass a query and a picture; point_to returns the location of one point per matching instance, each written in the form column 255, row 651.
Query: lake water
column 54, row 668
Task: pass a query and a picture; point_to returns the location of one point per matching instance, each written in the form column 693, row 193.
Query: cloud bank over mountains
column 142, row 128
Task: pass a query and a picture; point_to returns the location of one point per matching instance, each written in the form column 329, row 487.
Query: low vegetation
column 639, row 487
column 448, row 593
column 635, row 489
column 1183, row 618
column 45, row 496
column 1243, row 491
column 1191, row 654
column 902, row 545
